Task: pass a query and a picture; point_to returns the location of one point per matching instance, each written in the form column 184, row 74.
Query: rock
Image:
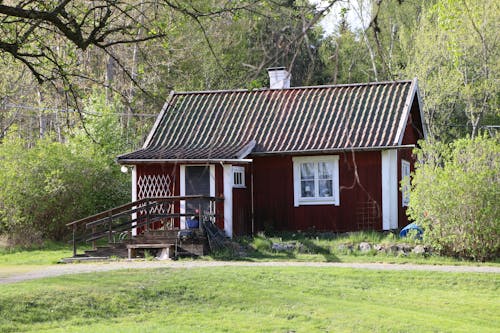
column 364, row 247
column 419, row 249
column 392, row 248
column 379, row 247
column 345, row 247
column 404, row 248
column 283, row 247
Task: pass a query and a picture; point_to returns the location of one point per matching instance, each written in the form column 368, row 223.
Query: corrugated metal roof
column 219, row 124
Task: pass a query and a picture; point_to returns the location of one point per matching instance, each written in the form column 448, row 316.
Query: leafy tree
column 345, row 55
column 455, row 195
column 455, row 56
column 53, row 183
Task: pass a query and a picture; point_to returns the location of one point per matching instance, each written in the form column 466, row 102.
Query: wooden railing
column 137, row 214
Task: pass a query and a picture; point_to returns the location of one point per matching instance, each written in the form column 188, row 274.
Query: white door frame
column 182, row 174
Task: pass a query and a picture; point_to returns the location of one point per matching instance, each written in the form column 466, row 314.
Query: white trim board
column 228, row 199
column 389, row 189
column 134, row 197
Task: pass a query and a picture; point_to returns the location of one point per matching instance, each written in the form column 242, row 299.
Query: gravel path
column 63, row 269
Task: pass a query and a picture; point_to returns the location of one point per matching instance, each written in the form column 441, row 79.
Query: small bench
column 167, row 250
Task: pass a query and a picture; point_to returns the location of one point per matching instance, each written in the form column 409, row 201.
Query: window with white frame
column 405, row 183
column 316, row 180
column 238, row 176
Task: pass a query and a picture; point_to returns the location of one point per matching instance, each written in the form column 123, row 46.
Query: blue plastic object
column 412, row 226
column 192, row 223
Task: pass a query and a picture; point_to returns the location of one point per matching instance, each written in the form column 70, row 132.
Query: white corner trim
column 389, row 189
column 228, row 199
column 134, row 197
column 158, row 119
column 212, row 180
column 182, row 190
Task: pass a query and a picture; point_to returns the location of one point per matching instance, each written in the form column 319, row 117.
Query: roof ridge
column 360, row 84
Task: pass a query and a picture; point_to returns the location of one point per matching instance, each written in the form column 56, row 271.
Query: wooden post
column 199, row 216
column 110, row 227
column 74, row 240
column 93, row 242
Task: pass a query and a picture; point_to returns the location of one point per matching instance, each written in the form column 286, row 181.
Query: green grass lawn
column 254, row 299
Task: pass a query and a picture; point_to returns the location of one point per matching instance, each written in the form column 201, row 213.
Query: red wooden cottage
column 326, row 157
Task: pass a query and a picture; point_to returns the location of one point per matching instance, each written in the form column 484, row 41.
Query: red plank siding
column 242, row 206
column 360, row 196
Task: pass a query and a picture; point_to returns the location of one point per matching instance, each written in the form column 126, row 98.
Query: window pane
column 325, row 170
column 325, row 188
column 307, row 171
column 307, row 188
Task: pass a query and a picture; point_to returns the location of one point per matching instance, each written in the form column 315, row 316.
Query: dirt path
column 63, row 269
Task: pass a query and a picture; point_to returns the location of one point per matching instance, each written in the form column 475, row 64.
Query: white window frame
column 405, row 189
column 298, row 199
column 241, row 171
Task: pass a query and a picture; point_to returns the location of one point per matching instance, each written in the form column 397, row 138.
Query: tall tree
column 456, row 57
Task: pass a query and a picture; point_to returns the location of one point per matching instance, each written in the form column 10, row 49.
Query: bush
column 455, row 197
column 51, row 184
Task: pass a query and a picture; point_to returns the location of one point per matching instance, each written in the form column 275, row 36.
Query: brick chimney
column 279, row 78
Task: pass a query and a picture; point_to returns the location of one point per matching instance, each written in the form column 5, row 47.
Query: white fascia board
column 421, row 108
column 406, row 113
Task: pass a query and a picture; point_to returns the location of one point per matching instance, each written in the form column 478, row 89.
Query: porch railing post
column 110, row 227
column 74, row 240
column 93, row 242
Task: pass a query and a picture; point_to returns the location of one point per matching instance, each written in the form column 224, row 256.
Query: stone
column 345, row 247
column 404, row 248
column 419, row 249
column 379, row 247
column 283, row 247
column 364, row 247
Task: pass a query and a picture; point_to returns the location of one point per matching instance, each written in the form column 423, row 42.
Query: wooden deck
column 157, row 233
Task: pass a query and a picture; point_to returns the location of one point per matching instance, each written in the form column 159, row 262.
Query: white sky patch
column 358, row 14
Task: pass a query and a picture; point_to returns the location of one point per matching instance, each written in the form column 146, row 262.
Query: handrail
column 129, row 205
column 146, row 204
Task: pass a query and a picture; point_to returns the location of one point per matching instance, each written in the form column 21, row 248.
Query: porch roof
column 233, row 124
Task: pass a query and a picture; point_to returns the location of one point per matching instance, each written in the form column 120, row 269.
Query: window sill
column 310, row 202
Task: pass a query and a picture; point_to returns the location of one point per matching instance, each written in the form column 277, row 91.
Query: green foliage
column 50, row 184
column 455, row 196
column 455, row 54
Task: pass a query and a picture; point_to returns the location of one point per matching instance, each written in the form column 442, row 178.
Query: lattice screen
column 156, row 186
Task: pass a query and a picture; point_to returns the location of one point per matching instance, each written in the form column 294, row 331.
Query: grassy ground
column 338, row 248
column 254, row 299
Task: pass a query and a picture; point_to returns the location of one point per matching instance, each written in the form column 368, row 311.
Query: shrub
column 455, row 197
column 51, row 184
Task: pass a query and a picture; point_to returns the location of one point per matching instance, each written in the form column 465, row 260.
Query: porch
column 153, row 225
